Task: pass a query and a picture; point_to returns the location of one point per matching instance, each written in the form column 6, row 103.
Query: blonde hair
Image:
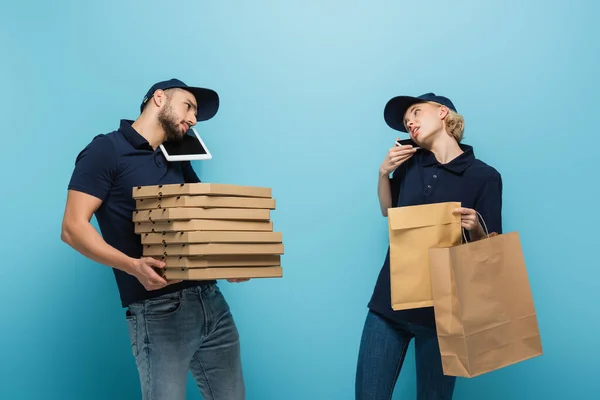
column 454, row 122
column 455, row 125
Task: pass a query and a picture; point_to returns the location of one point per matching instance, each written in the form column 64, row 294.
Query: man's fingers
column 154, row 263
column 157, row 284
column 154, row 286
column 156, row 279
column 159, row 280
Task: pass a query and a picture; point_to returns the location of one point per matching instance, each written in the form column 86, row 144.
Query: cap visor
column 396, row 108
column 208, row 102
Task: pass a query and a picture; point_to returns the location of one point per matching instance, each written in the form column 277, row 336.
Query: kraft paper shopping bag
column 484, row 310
column 413, row 230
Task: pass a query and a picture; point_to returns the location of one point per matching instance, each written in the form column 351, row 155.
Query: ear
column 444, row 111
column 159, row 98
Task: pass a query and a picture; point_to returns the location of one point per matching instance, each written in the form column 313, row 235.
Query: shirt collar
column 132, row 136
column 457, row 166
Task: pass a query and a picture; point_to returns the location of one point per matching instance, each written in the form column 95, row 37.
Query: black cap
column 207, row 99
column 397, row 107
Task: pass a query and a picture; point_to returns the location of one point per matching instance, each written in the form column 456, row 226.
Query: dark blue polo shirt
column 423, row 180
column 108, row 168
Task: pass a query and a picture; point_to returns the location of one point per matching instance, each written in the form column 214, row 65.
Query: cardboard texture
column 413, row 230
column 211, row 249
column 222, row 261
column 222, row 273
column 211, row 237
column 186, row 214
column 203, row 225
column 208, row 189
column 484, row 308
column 205, row 202
column 209, row 231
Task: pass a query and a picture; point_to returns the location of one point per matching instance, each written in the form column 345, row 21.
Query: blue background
column 303, row 86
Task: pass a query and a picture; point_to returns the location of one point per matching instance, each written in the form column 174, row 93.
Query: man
column 174, row 326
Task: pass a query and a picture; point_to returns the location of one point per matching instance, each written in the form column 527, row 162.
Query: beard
column 168, row 121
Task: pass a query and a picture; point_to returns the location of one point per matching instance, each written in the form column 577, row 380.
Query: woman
column 438, row 169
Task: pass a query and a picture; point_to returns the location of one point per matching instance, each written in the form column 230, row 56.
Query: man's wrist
column 128, row 265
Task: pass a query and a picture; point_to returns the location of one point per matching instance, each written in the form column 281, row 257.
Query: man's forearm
column 384, row 193
column 84, row 238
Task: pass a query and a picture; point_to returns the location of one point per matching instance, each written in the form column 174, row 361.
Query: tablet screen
column 190, row 147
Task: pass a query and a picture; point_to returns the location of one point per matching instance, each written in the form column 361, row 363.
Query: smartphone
column 406, row 142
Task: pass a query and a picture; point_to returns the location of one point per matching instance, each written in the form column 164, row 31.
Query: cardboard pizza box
column 211, row 237
column 222, row 273
column 206, row 202
column 186, row 214
column 203, row 225
column 252, row 260
column 208, row 189
column 152, row 250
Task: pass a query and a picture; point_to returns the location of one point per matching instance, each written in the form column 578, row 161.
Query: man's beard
column 169, row 124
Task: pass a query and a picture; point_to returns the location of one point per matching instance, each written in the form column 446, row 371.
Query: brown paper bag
column 412, row 231
column 484, row 309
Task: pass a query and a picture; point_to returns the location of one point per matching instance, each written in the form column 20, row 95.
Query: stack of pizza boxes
column 205, row 231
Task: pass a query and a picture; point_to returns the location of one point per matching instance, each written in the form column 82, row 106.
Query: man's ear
column 159, row 97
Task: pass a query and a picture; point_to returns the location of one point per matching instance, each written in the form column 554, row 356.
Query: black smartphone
column 405, row 142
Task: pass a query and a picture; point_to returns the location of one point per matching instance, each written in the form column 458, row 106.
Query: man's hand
column 238, row 280
column 143, row 270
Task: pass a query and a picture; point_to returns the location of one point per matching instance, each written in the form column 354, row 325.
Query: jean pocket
column 217, row 300
column 132, row 326
column 162, row 307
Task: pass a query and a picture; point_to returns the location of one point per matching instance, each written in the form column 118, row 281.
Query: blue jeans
column 190, row 330
column 382, row 350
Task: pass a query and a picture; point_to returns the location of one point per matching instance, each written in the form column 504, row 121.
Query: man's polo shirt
column 108, row 168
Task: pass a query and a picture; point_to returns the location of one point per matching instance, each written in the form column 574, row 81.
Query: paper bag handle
column 487, row 233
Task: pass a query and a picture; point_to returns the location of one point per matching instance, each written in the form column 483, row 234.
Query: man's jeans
column 189, row 330
column 382, row 351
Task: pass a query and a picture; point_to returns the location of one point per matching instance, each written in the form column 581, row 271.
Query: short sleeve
column 95, row 168
column 395, row 180
column 489, row 204
column 189, row 175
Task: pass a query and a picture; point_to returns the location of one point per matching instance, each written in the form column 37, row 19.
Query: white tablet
column 190, row 147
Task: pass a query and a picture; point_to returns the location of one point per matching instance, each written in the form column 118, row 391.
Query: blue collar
column 457, row 166
column 132, row 136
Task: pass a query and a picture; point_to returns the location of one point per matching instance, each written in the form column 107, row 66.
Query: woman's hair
column 455, row 125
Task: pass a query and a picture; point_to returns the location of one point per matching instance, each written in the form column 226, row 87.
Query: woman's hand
column 470, row 221
column 395, row 157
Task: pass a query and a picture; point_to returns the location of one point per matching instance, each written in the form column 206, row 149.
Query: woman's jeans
column 382, row 350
